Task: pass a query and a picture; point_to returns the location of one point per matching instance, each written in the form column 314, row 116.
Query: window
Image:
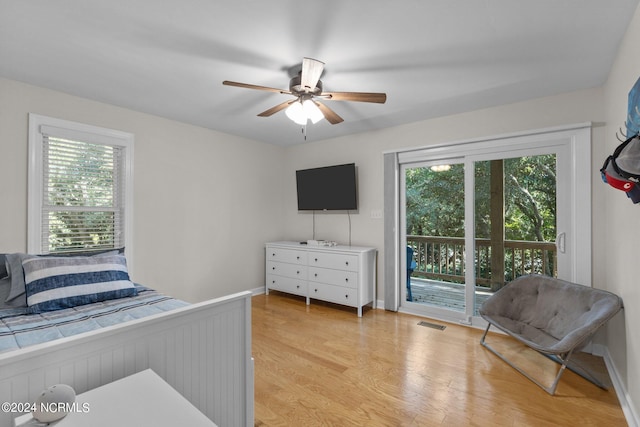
column 80, row 181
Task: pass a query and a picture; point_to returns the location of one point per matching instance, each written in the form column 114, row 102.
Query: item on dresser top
column 321, row 243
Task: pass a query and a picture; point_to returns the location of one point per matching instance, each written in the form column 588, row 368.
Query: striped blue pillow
column 55, row 283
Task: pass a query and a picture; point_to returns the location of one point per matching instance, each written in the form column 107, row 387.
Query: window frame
column 81, row 132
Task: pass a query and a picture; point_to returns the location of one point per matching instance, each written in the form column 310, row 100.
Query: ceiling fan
column 306, row 87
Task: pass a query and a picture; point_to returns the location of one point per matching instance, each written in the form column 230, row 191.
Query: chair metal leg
column 578, row 370
column 549, row 389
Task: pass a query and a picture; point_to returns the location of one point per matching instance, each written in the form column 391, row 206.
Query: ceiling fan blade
column 248, row 86
column 271, row 111
column 329, row 114
column 379, row 98
column 311, row 71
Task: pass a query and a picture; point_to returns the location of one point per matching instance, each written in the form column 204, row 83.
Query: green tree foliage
column 530, row 198
column 435, row 208
column 435, row 200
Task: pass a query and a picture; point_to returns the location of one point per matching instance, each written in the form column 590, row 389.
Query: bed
column 202, row 350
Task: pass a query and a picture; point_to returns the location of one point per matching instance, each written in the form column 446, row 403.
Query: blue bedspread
column 18, row 329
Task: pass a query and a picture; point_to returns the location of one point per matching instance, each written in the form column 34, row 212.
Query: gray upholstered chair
column 552, row 316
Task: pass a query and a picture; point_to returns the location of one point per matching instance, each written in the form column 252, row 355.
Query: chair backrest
column 552, row 305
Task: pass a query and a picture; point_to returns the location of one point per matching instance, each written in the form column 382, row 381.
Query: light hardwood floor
column 321, row 365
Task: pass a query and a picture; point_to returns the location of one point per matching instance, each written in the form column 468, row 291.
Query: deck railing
column 442, row 258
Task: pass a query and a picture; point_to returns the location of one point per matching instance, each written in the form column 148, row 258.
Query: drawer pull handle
column 315, row 290
column 297, row 272
column 315, row 275
column 273, row 268
column 297, row 286
column 297, row 257
column 347, row 296
column 347, row 263
column 273, row 281
column 346, row 280
column 273, row 254
column 316, row 259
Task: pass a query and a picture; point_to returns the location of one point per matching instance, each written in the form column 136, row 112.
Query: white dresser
column 339, row 274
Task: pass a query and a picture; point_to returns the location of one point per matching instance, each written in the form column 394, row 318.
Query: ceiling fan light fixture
column 296, row 113
column 304, row 109
column 312, row 111
column 440, row 168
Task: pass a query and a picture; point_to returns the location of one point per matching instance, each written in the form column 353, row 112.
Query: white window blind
column 82, row 205
column 79, row 187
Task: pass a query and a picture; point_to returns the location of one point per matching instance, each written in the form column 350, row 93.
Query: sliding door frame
column 577, row 142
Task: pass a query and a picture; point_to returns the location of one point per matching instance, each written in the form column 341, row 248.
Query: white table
column 140, row 400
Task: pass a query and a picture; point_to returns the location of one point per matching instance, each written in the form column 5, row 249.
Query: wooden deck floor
column 443, row 294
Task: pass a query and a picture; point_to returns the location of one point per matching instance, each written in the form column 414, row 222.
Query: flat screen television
column 327, row 188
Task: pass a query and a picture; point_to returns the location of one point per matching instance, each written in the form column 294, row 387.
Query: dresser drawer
column 296, row 271
column 333, row 277
column 290, row 256
column 287, row 284
column 334, row 261
column 337, row 294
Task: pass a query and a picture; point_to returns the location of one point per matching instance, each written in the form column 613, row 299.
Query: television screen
column 327, row 188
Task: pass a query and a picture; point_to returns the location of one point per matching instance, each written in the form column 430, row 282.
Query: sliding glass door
column 435, row 243
column 516, row 216
column 475, row 221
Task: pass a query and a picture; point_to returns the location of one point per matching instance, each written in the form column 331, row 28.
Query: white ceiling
column 431, row 57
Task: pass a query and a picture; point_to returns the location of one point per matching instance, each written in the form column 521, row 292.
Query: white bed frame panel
column 202, row 350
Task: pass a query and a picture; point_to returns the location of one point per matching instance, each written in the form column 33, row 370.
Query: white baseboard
column 261, row 290
column 257, row 291
column 630, row 413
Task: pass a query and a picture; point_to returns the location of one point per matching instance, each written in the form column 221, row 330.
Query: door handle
column 561, row 240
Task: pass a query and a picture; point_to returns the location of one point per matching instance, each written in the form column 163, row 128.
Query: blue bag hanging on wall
column 621, row 170
column 633, row 110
